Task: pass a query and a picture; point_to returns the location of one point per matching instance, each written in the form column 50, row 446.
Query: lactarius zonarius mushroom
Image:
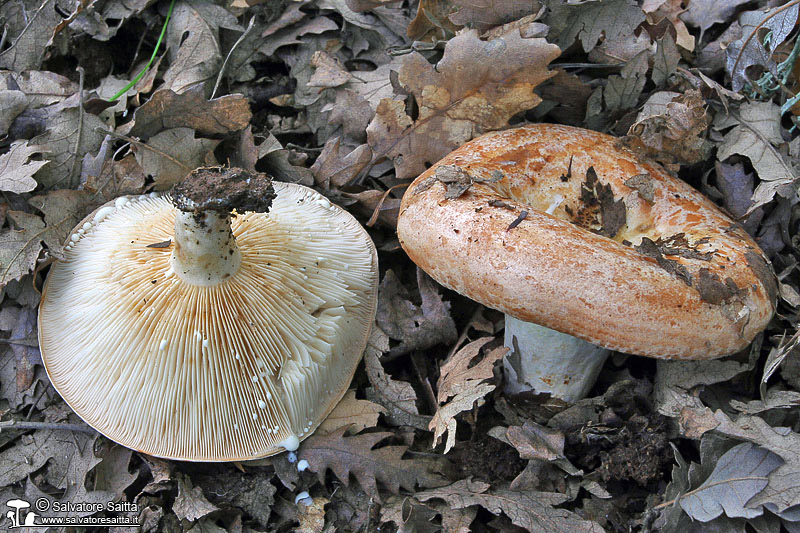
column 567, row 229
column 222, row 322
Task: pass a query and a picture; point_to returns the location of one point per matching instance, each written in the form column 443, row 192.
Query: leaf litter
column 357, row 97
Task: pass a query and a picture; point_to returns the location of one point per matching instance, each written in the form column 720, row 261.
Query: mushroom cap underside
column 566, row 228
column 234, row 371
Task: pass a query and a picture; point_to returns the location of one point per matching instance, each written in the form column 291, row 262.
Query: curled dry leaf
column 335, row 167
column 453, row 108
column 356, row 414
column 463, row 383
column 671, row 129
column 167, row 109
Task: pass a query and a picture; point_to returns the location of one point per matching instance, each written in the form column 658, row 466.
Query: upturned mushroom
column 586, row 247
column 222, row 322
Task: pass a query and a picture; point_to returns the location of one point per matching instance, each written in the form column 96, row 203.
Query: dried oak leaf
column 16, row 168
column 705, row 13
column 531, row 510
column 670, row 11
column 398, row 397
column 356, row 455
column 20, row 245
column 30, row 29
column 329, row 71
column 590, row 21
column 170, row 155
column 191, row 504
column 70, row 134
column 749, row 51
column 485, row 14
column 417, row 328
column 465, row 384
column 167, row 109
column 432, row 21
column 63, row 209
column 738, row 475
column 458, row 371
column 477, row 86
column 410, row 515
column 335, row 167
column 671, row 129
column 352, row 413
column 783, row 490
column 193, row 43
column 756, row 134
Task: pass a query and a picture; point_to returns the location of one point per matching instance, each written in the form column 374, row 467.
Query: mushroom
column 582, row 243
column 13, row 516
column 221, row 323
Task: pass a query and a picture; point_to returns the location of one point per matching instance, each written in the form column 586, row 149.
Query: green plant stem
column 135, row 80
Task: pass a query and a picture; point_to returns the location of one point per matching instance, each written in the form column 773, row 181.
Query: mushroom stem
column 205, row 251
column 549, row 361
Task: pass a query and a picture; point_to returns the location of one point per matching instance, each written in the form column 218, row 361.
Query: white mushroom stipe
column 291, row 457
column 550, row 361
column 262, row 404
column 302, row 465
column 255, row 416
column 303, row 498
column 309, row 334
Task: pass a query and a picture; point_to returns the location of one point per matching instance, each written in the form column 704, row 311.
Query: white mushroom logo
column 14, row 516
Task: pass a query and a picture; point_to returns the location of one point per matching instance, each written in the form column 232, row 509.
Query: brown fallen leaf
column 531, row 510
column 432, row 21
column 591, row 21
column 453, row 108
column 484, row 14
column 398, row 397
column 356, row 414
column 670, row 11
column 357, row 455
column 312, row 516
column 329, row 71
column 170, row 155
column 63, row 209
column 191, row 504
column 167, row 109
column 334, row 168
column 20, row 245
column 705, row 13
column 671, row 128
column 465, row 384
column 193, row 40
column 416, row 327
column 16, row 168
